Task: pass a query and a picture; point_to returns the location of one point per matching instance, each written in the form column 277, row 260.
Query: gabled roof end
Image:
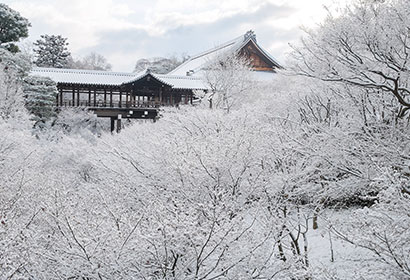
column 250, row 35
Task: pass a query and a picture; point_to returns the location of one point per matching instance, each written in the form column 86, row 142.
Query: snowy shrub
column 383, row 231
column 76, row 122
column 40, row 95
column 13, row 68
column 230, row 80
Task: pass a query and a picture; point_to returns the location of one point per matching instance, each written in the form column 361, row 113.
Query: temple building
column 118, row 95
column 261, row 62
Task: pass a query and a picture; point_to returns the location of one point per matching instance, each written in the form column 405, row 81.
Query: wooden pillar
column 120, row 105
column 119, row 123
column 95, row 98
column 78, row 97
column 191, row 96
column 61, row 97
column 58, row 97
column 105, row 98
column 111, row 97
column 127, row 99
column 112, row 123
column 89, row 97
column 73, row 101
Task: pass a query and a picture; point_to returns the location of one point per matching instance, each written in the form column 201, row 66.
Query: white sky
column 126, row 30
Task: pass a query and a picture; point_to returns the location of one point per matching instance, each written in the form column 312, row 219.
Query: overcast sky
column 126, row 30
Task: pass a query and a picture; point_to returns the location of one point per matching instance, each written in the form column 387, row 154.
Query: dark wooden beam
column 119, row 123
column 110, row 97
column 72, row 104
column 112, row 124
column 95, row 97
column 89, row 97
column 78, row 97
column 57, row 98
column 129, row 113
column 61, row 97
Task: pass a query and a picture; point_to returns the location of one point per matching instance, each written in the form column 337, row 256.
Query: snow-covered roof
column 89, row 77
column 177, row 78
column 198, row 62
column 93, row 77
column 183, row 82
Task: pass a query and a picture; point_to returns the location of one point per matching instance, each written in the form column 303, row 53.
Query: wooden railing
column 102, row 104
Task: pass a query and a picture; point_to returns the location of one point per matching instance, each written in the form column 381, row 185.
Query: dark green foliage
column 52, row 51
column 40, row 95
column 13, row 27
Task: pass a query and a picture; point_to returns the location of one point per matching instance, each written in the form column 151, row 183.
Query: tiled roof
column 195, row 64
column 199, row 61
column 183, row 82
column 76, row 76
column 93, row 77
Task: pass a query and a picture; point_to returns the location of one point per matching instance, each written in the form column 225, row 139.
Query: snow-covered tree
column 13, row 69
column 51, row 51
column 202, row 194
column 13, row 27
column 365, row 46
column 229, row 78
column 78, row 122
column 159, row 65
column 93, row 61
column 382, row 231
column 210, row 192
column 40, row 97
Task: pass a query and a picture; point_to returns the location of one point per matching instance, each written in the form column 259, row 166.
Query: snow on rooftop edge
column 97, row 77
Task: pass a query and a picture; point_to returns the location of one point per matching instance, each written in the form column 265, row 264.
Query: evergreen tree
column 13, row 69
column 13, row 27
column 52, row 51
column 40, row 94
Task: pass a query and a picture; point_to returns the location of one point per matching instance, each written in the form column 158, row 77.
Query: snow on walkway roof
column 93, row 77
column 196, row 63
column 182, row 82
column 89, row 77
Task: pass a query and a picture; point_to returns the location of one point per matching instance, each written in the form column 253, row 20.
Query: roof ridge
column 177, row 77
column 237, row 40
column 218, row 47
column 239, row 46
column 81, row 71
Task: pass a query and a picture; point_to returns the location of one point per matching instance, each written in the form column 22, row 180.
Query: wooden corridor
column 139, row 99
